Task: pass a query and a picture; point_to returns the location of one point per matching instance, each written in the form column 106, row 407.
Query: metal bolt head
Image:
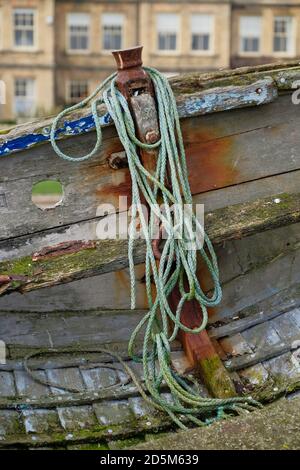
column 152, row 137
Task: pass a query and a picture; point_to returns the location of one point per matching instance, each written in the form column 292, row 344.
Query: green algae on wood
column 216, row 377
column 274, row 427
column 133, row 429
column 103, row 256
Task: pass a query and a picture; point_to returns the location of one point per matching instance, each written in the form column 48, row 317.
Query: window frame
column 292, row 51
column 33, row 97
column 242, row 52
column 211, row 50
column 34, row 46
column 68, row 90
column 69, row 50
column 177, row 50
column 102, row 25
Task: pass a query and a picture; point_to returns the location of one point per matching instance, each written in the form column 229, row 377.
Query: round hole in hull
column 47, row 194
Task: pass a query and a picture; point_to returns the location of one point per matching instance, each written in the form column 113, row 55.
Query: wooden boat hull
column 241, row 136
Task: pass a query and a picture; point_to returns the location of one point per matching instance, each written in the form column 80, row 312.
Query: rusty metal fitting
column 136, row 86
column 152, row 137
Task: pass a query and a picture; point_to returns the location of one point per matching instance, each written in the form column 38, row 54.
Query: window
column 250, row 33
column 77, row 90
column 167, row 31
column 79, row 31
column 112, row 31
column 24, row 97
column 282, row 41
column 202, row 30
column 1, row 28
column 24, row 20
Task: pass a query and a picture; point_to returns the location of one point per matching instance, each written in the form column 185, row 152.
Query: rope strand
column 156, row 357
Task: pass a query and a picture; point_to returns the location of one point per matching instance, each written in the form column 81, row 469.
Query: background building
column 54, row 52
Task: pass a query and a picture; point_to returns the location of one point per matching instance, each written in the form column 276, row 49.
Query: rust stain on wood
column 4, row 279
column 121, row 280
column 64, row 248
column 209, row 159
column 118, row 185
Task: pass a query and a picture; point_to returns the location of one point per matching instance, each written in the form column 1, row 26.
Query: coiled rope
column 178, row 265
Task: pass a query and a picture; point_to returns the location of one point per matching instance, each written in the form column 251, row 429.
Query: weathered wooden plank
column 76, row 260
column 209, row 127
column 266, row 342
column 67, row 329
column 283, row 76
column 237, row 259
column 262, row 337
column 284, row 367
column 275, row 377
column 96, row 437
column 255, row 286
column 28, row 387
column 74, row 418
column 240, row 157
column 248, row 191
column 68, row 377
column 97, row 377
column 283, row 73
column 249, row 360
column 84, row 358
column 113, row 413
column 243, row 324
column 10, row 423
column 250, row 92
column 256, row 375
column 86, row 230
column 230, row 150
column 235, row 345
column 7, row 386
column 107, row 291
column 244, row 219
column 224, row 99
column 286, row 328
column 271, row 256
column 41, row 421
column 76, row 399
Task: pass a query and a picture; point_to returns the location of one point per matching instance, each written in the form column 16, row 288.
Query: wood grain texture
column 283, row 74
column 271, row 255
column 249, row 93
column 282, row 77
column 223, row 150
column 230, row 223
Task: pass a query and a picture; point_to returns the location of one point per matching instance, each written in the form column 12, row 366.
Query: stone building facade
column 54, row 52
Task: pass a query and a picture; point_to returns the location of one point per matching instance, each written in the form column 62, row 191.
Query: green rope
column 177, row 263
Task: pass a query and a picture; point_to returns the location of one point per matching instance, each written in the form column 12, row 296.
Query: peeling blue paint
column 214, row 102
column 208, row 102
column 80, row 126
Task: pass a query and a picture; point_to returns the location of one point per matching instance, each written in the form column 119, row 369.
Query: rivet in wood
column 152, row 137
column 117, row 160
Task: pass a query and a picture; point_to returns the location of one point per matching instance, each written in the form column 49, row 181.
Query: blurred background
column 53, row 53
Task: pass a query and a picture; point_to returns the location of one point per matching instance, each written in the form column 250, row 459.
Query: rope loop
column 178, row 261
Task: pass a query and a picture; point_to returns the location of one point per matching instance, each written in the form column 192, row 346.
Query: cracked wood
column 229, row 223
